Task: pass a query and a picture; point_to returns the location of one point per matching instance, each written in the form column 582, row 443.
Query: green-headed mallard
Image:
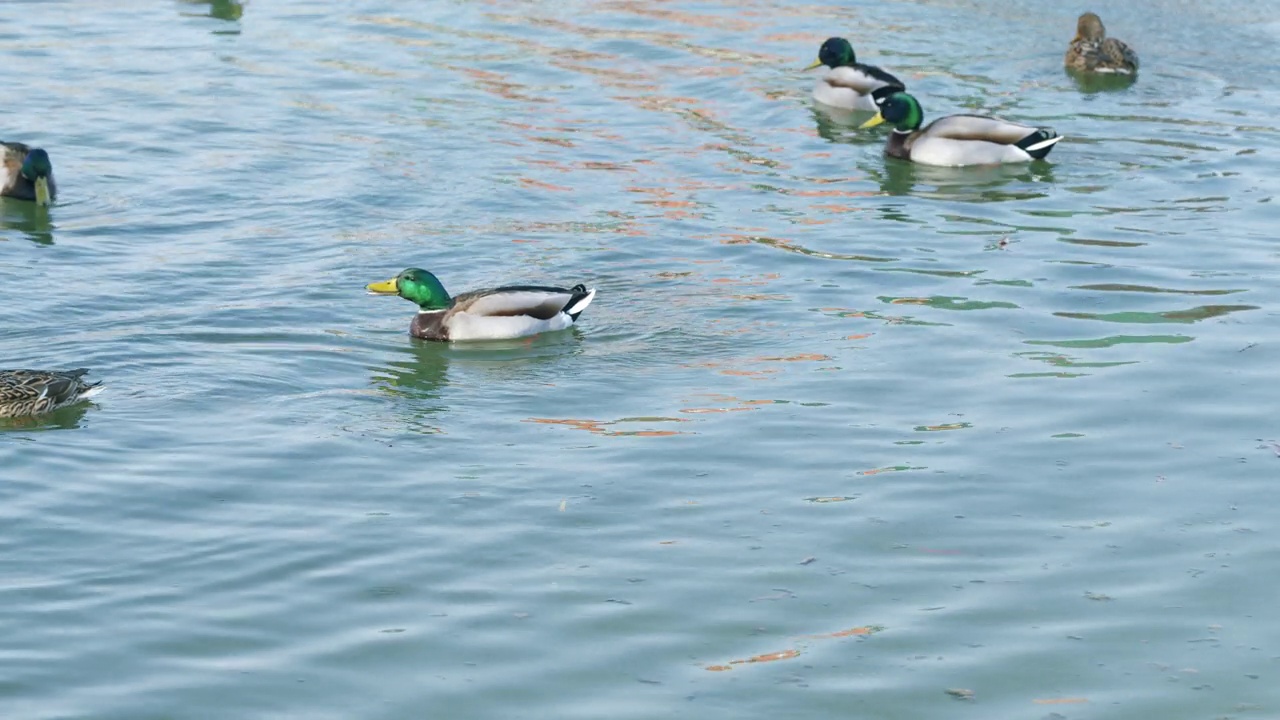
column 499, row 313
column 1092, row 51
column 850, row 84
column 35, row 392
column 958, row 139
column 28, row 174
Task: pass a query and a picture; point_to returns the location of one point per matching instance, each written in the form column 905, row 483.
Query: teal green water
column 838, row 435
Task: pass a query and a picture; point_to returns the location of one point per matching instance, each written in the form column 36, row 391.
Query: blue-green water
column 888, row 431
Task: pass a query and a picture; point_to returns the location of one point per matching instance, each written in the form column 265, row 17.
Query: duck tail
column 582, row 297
column 1039, row 143
column 880, row 94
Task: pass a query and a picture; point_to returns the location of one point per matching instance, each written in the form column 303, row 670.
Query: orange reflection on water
column 791, row 653
column 802, row 357
column 835, row 208
column 796, row 38
column 715, row 22
column 497, row 84
column 733, row 367
column 599, row 427
column 851, row 632
column 530, row 182
column 830, row 193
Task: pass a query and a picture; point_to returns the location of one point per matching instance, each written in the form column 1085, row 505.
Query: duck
column 850, row 84
column 36, row 392
column 501, row 313
column 1092, row 51
column 958, row 139
column 28, row 174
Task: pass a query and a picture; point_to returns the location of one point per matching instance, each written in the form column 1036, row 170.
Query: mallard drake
column 28, row 174
column 500, row 313
column 35, row 392
column 850, row 84
column 1092, row 51
column 958, row 139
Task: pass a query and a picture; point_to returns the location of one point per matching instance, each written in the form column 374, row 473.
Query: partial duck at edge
column 28, row 174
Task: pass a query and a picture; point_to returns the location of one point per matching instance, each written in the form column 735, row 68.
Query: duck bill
column 386, row 287
column 42, row 191
column 816, row 63
column 872, row 122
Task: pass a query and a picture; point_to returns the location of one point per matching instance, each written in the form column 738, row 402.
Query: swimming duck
column 35, row 392
column 958, row 139
column 500, row 313
column 28, row 174
column 850, row 84
column 1092, row 51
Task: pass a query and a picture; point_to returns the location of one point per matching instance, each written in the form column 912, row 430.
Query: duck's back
column 1108, row 55
column 969, row 140
column 855, row 87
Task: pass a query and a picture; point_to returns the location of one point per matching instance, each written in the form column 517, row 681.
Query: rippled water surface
column 840, row 436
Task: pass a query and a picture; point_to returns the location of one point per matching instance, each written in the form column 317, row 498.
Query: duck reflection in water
column 31, row 220
column 421, row 371
column 1091, row 83
column 977, row 183
column 67, row 418
column 229, row 10
column 841, row 126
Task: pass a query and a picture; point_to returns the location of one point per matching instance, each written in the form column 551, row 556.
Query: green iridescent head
column 416, row 285
column 835, row 52
column 902, row 110
column 37, row 170
column 36, row 165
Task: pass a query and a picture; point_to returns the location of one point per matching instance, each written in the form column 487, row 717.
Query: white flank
column 848, row 88
column 951, row 153
column 581, row 304
column 466, row 326
column 842, row 97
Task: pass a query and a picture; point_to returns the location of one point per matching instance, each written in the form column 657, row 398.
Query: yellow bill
column 872, row 122
column 816, row 63
column 386, row 287
column 42, row 191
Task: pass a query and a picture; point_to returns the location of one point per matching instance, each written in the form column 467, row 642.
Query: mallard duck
column 850, row 84
column 958, row 139
column 28, row 174
column 35, row 392
column 499, row 313
column 1092, row 51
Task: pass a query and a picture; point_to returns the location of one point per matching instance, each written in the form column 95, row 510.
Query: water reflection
column 424, row 370
column 28, row 218
column 1190, row 315
column 67, row 418
column 229, row 10
column 838, row 125
column 977, row 183
column 420, row 372
column 1092, row 83
column 414, row 381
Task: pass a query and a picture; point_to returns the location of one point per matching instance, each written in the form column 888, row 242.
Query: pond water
column 839, row 437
